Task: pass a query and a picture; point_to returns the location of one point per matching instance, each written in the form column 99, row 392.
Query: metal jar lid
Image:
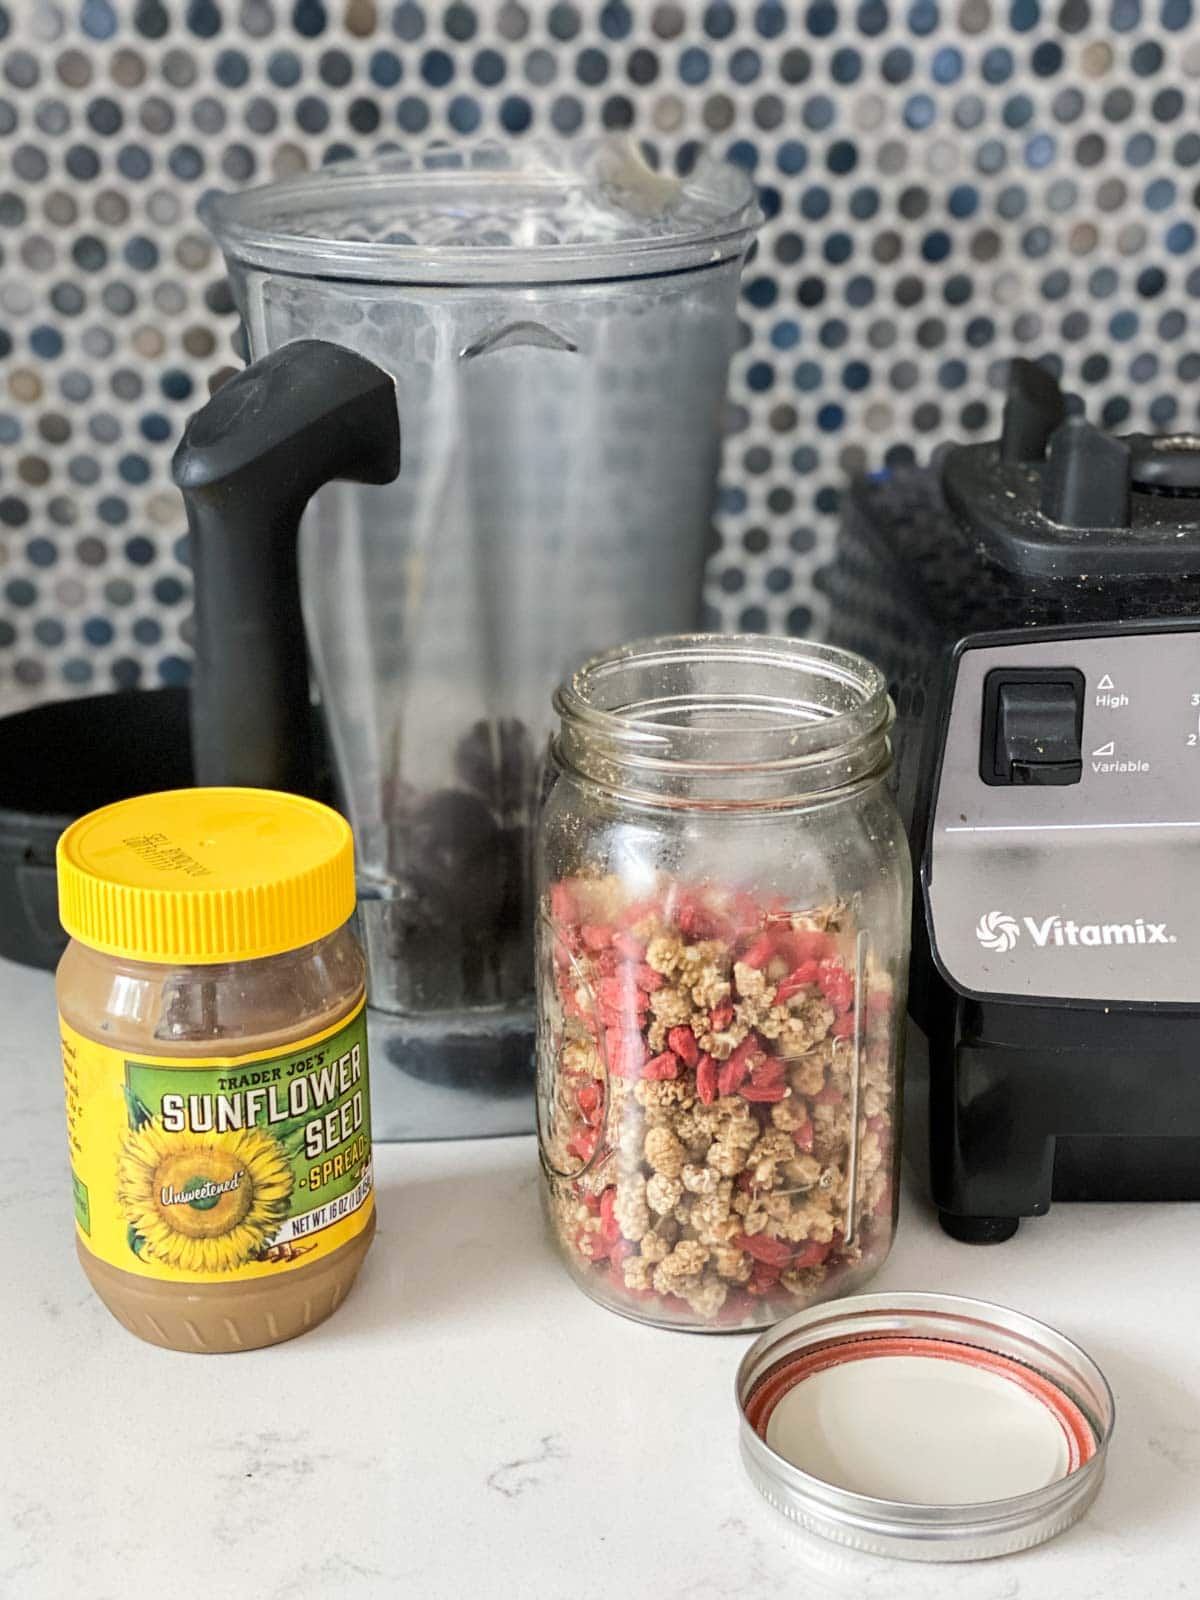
column 924, row 1426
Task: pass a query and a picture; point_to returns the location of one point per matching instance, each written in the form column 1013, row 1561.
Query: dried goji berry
column 774, row 1252
column 837, row 985
column 877, row 1124
column 628, row 947
column 759, row 951
column 810, row 1255
column 661, row 1067
column 582, row 1143
column 637, row 911
column 844, row 1027
column 619, row 1003
column 735, row 1071
column 751, row 1049
column 791, row 946
column 769, row 1071
column 721, row 1016
column 764, row 1093
column 802, row 977
column 729, row 1078
column 745, row 911
column 616, row 990
column 803, row 1135
column 763, row 1279
column 562, row 906
column 706, row 1079
column 810, row 945
column 589, row 1100
column 626, row 1053
column 694, row 921
column 683, row 1042
column 828, row 1096
column 766, row 1083
column 609, row 1226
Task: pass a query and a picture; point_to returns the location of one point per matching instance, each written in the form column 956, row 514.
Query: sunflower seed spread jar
column 723, row 947
column 215, row 1058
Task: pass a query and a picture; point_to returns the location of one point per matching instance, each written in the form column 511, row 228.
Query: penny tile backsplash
column 946, row 185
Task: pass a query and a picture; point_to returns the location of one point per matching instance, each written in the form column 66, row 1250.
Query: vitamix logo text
column 996, row 930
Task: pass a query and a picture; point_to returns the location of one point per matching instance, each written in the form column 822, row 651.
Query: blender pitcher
column 558, row 321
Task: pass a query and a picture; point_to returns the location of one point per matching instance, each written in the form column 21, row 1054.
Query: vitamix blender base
column 1034, row 604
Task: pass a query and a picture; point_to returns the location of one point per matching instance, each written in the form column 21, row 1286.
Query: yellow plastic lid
column 197, row 876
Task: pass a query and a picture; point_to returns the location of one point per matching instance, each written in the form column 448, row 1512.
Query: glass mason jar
column 724, row 893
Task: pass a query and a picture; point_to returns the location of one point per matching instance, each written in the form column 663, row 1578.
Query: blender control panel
column 1063, row 859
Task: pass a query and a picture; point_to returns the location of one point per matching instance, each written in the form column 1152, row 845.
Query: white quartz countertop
column 469, row 1424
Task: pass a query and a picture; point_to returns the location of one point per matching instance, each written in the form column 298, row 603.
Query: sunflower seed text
column 269, row 1103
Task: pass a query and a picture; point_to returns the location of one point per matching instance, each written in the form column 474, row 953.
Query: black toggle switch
column 1032, row 726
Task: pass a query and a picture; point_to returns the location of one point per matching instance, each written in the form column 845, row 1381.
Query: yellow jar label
column 220, row 1169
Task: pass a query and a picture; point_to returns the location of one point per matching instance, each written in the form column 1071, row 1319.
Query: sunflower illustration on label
column 222, row 1169
column 206, row 1203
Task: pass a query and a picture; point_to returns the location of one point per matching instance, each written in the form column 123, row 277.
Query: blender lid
column 490, row 213
column 924, row 1426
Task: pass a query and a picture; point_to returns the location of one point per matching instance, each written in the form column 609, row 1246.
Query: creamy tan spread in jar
column 214, row 1047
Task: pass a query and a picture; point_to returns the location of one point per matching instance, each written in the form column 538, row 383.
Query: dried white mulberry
column 663, row 1193
column 671, row 1006
column 687, row 1258
column 630, row 1207
column 664, row 1153
column 664, row 953
column 701, row 1180
column 638, row 1272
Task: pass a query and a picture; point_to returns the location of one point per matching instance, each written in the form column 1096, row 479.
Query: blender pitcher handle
column 247, row 465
